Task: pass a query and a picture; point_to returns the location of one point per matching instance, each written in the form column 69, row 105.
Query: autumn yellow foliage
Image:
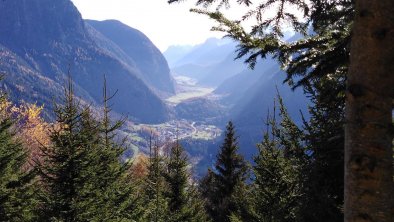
column 30, row 129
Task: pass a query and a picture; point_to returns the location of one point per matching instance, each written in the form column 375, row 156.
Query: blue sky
column 164, row 24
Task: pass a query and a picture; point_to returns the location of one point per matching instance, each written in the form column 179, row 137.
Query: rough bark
column 369, row 129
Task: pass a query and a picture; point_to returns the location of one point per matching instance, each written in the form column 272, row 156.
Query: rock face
column 41, row 40
column 140, row 49
column 38, row 24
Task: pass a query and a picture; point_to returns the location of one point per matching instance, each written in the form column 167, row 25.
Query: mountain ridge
column 145, row 54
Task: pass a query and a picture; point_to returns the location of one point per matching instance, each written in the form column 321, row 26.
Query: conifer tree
column 156, row 204
column 221, row 186
column 115, row 199
column 184, row 202
column 196, row 206
column 93, row 202
column 177, row 178
column 278, row 171
column 369, row 173
column 66, row 170
column 324, row 142
column 17, row 199
column 276, row 187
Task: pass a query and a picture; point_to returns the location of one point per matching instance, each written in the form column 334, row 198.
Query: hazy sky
column 164, row 24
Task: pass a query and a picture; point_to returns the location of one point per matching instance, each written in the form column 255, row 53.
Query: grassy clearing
column 203, row 135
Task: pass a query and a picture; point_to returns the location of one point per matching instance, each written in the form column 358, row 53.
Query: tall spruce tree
column 369, row 112
column 118, row 200
column 65, row 171
column 278, row 170
column 276, row 187
column 184, row 202
column 155, row 201
column 177, row 178
column 17, row 199
column 87, row 201
column 223, row 186
column 324, row 142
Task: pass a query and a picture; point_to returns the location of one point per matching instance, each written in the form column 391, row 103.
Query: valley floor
column 181, row 129
column 188, row 89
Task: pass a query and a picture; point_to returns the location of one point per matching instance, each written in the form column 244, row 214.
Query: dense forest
column 72, row 170
column 337, row 165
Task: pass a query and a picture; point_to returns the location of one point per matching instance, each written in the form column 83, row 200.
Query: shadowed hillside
column 141, row 50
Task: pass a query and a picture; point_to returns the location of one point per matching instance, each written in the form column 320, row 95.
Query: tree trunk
column 369, row 129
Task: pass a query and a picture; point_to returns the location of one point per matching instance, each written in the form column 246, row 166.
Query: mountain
column 200, row 109
column 176, row 52
column 212, row 51
column 209, row 63
column 42, row 40
column 141, row 50
column 250, row 112
column 234, row 88
column 194, row 71
column 223, row 70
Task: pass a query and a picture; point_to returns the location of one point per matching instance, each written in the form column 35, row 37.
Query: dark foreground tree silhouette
column 154, row 187
column 279, row 169
column 369, row 187
column 64, row 162
column 225, row 186
column 184, row 201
